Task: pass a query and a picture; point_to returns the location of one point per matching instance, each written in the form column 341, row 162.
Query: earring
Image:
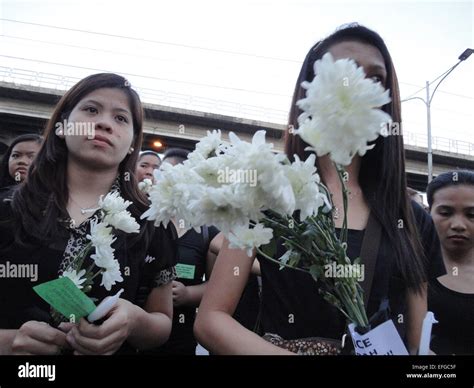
column 131, row 150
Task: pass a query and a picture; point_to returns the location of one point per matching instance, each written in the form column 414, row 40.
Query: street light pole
column 428, row 121
column 427, row 102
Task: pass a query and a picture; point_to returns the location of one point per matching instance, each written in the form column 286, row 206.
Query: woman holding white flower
column 81, row 192
column 409, row 251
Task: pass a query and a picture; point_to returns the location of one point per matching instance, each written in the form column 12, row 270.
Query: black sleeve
column 213, row 232
column 430, row 241
column 6, row 218
column 161, row 256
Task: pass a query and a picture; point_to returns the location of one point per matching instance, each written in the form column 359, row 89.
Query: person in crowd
column 451, row 297
column 148, row 161
column 18, row 158
column 46, row 222
column 409, row 253
column 196, row 256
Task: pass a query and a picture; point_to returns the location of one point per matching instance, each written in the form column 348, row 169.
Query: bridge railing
column 165, row 98
column 439, row 143
column 61, row 83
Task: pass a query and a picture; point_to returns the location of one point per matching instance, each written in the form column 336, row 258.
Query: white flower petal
column 341, row 110
column 247, row 239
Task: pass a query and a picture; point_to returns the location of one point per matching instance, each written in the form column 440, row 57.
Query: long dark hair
column 42, row 200
column 382, row 171
column 5, row 178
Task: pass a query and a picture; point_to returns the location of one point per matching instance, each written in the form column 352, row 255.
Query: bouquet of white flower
column 114, row 215
column 252, row 194
column 255, row 196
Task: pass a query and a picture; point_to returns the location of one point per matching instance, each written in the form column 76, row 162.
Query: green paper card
column 185, row 271
column 64, row 296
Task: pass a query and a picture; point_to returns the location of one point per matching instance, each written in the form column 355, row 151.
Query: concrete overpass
column 26, row 109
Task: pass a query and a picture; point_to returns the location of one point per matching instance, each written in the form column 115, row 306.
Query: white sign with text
column 384, row 340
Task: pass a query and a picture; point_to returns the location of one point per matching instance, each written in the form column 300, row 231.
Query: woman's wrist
column 6, row 341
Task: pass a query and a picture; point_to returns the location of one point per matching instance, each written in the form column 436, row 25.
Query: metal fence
column 203, row 104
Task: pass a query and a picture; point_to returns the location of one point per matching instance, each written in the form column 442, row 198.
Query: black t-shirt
column 142, row 269
column 293, row 308
column 454, row 311
column 190, row 269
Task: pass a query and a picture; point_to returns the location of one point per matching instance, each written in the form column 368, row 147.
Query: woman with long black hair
column 408, row 253
column 45, row 222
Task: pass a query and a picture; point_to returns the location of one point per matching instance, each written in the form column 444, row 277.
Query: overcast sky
column 241, row 57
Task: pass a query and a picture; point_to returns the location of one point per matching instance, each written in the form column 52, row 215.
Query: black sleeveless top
column 293, row 308
column 454, row 311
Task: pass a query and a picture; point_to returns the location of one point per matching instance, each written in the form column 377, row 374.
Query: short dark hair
column 149, row 152
column 178, row 153
column 5, row 178
column 451, row 178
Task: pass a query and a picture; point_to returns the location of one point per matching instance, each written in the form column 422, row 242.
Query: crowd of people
column 181, row 288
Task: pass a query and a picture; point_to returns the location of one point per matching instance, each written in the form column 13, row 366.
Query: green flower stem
column 360, row 302
column 340, row 172
column 339, row 307
column 328, row 238
column 279, row 262
column 327, row 217
column 282, row 226
column 348, row 304
column 82, row 255
column 358, row 314
column 300, row 247
column 96, row 274
column 319, row 252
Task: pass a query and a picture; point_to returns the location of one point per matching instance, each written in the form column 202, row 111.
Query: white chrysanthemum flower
column 145, row 185
column 304, row 181
column 113, row 203
column 248, row 239
column 176, row 186
column 213, row 170
column 219, row 207
column 122, row 220
column 101, row 235
column 207, row 146
column 76, row 277
column 341, row 110
column 104, row 258
column 273, row 189
column 111, row 275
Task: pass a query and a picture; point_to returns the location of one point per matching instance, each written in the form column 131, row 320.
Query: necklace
column 350, row 196
column 84, row 210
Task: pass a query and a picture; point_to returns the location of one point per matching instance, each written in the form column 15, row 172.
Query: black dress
column 454, row 311
column 143, row 268
column 191, row 270
column 293, row 308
